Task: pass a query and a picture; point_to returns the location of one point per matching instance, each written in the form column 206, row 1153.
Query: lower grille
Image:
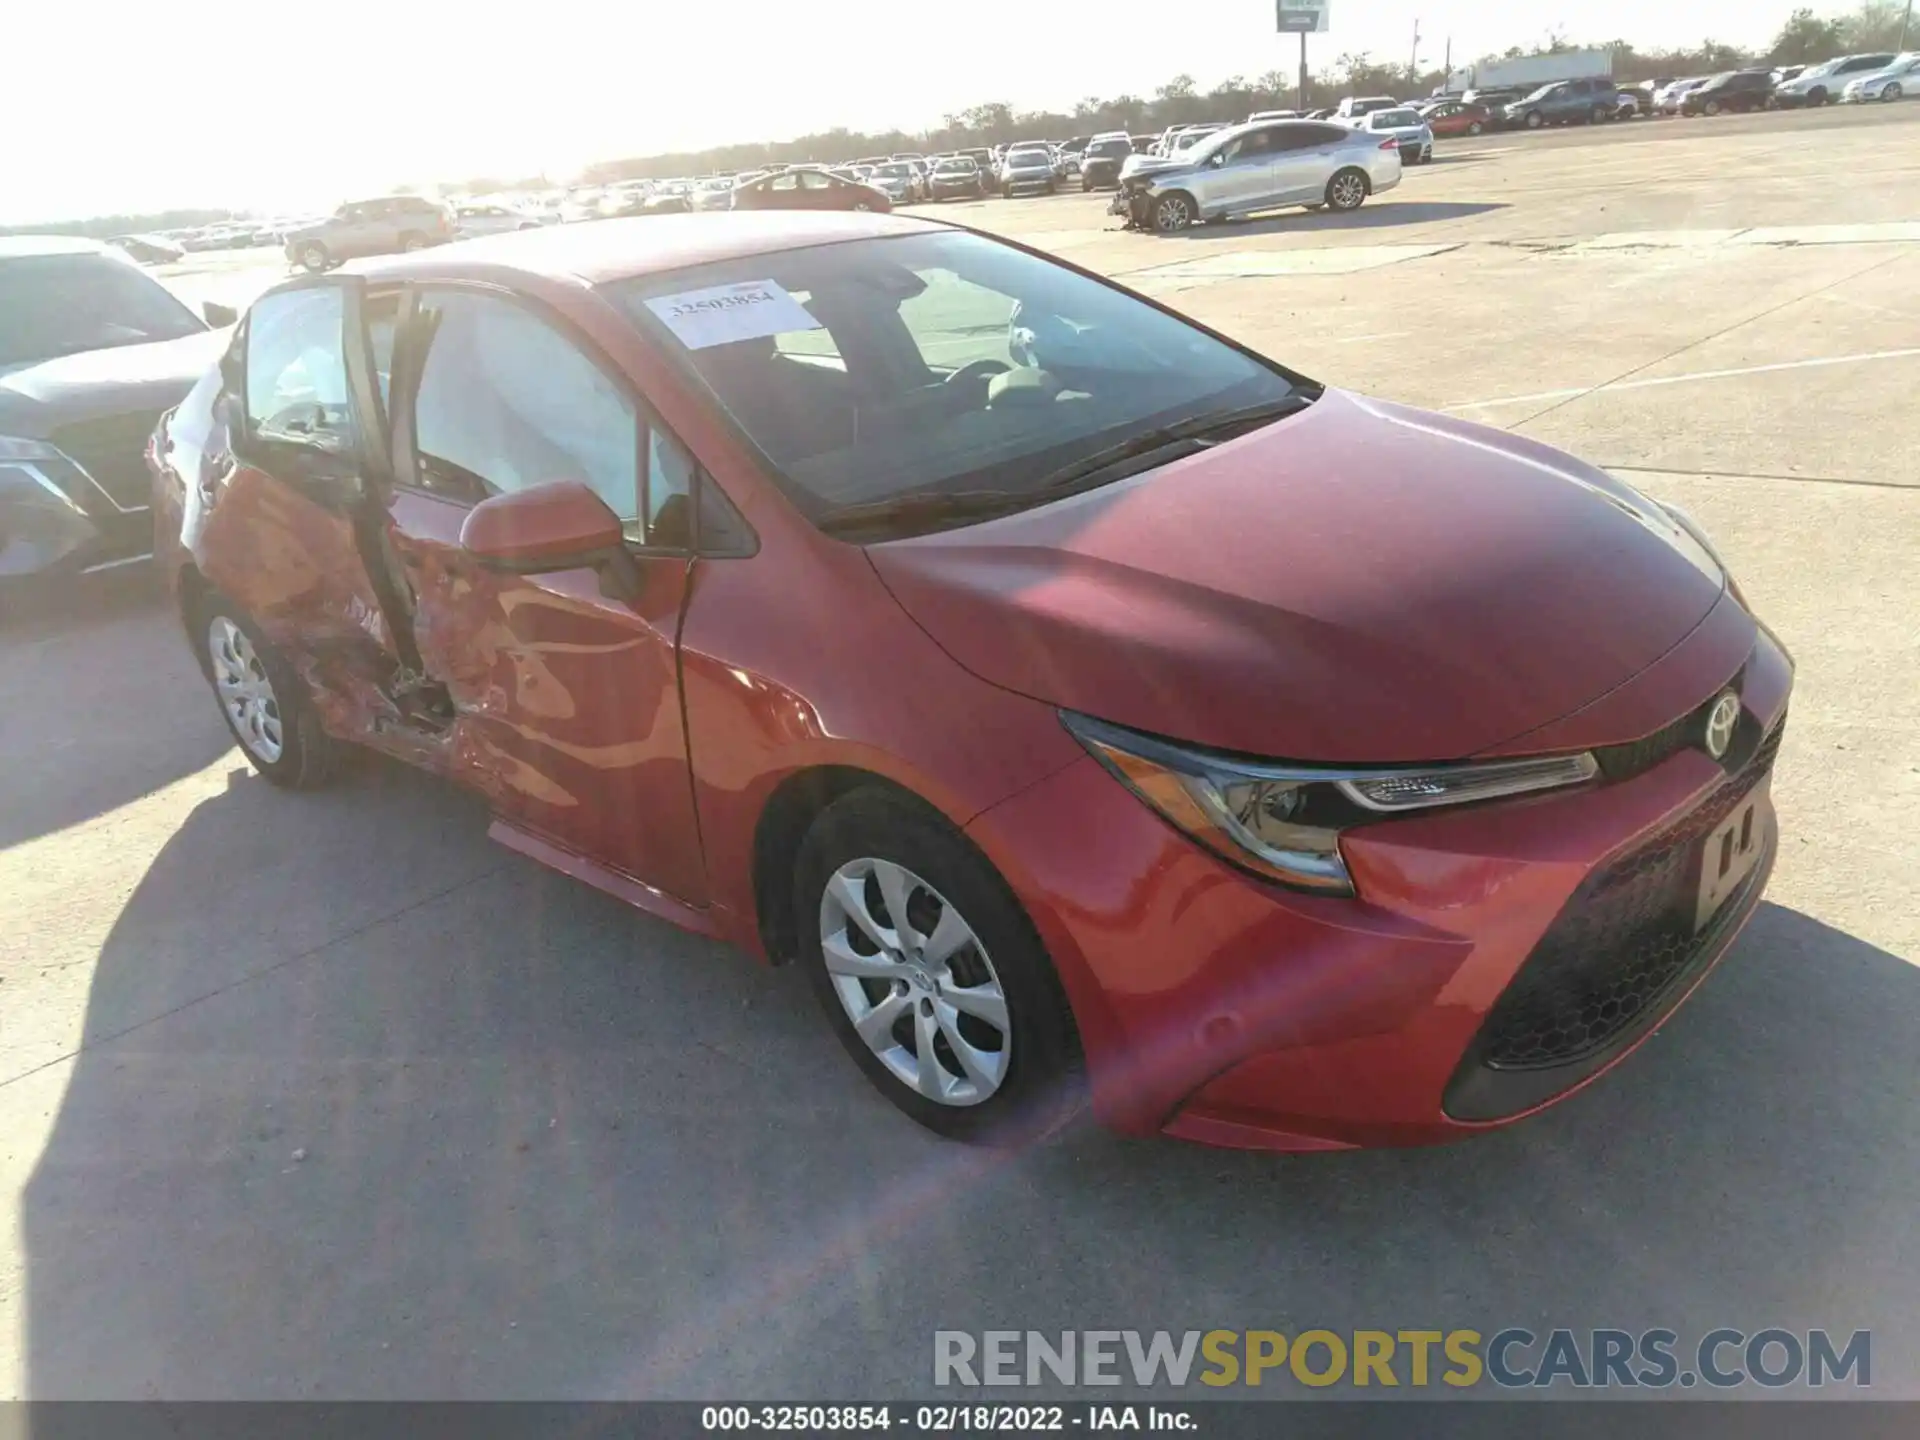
column 1619, row 945
column 112, row 449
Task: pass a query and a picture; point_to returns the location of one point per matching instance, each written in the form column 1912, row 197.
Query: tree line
column 1806, row 38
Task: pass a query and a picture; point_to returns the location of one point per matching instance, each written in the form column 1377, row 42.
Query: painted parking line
column 1256, row 264
column 1691, row 378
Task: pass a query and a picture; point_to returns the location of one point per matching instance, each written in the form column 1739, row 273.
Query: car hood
column 1359, row 583
column 1150, row 165
column 37, row 399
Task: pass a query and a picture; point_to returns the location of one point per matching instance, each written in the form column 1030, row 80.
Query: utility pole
column 1905, row 21
column 1303, row 72
column 1413, row 65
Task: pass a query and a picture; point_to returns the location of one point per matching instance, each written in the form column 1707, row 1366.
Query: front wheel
column 1535, row 120
column 1892, row 92
column 1475, row 128
column 1173, row 213
column 410, row 243
column 1816, row 96
column 314, row 257
column 1712, row 107
column 930, row 974
column 263, row 701
column 1347, row 191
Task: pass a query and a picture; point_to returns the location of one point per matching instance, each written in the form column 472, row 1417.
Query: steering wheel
column 978, row 370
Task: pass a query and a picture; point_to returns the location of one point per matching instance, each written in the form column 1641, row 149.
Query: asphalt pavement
column 324, row 1095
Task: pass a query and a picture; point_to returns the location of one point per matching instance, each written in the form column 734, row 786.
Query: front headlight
column 1283, row 822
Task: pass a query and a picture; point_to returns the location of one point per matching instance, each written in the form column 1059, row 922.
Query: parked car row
column 1877, row 76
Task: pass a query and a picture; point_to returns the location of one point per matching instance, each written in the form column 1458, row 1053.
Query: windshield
column 1391, row 119
column 1812, row 72
column 951, row 166
column 941, row 361
column 893, row 172
column 1543, row 91
column 1190, row 139
column 1029, row 157
column 53, row 305
column 1110, row 147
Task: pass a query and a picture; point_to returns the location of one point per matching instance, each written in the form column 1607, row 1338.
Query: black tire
column 309, row 757
column 1892, row 92
column 1343, row 197
column 314, row 256
column 1712, row 107
column 1535, row 119
column 1817, row 96
column 1475, row 128
column 1040, row 1088
column 413, row 240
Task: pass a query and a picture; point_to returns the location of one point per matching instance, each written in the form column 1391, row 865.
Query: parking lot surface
column 324, row 1095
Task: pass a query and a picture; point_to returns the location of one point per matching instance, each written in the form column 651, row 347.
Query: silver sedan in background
column 1254, row 167
column 1414, row 134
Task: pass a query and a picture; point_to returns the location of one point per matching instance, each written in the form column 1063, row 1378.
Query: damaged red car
column 1092, row 706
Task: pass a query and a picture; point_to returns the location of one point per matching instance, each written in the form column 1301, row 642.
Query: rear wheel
column 1347, row 190
column 1173, row 213
column 263, row 701
column 930, row 974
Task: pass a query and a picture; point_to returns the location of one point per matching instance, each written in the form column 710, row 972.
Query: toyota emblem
column 1721, row 721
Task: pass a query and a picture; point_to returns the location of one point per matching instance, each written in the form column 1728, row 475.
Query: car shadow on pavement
column 373, row 1109
column 95, row 672
column 1383, row 213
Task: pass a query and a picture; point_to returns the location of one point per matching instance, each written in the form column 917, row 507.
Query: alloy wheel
column 1347, row 191
column 916, row 982
column 1172, row 213
column 245, row 690
column 1892, row 92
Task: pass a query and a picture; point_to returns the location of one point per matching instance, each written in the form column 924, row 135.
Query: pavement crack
column 1695, row 344
column 309, row 953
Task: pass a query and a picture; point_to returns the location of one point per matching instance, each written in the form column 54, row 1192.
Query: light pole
column 1905, row 21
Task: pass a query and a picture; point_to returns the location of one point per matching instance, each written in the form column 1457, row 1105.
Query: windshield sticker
column 750, row 310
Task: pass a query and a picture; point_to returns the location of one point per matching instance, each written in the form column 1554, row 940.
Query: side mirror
column 1217, row 159
column 561, row 525
column 219, row 316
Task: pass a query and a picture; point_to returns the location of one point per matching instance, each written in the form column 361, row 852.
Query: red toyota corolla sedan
column 1065, row 686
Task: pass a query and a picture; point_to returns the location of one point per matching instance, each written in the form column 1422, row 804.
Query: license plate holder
column 1728, row 855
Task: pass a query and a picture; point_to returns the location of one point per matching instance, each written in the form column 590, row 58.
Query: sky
column 279, row 106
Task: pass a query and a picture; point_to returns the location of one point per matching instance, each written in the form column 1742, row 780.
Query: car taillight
column 1390, row 143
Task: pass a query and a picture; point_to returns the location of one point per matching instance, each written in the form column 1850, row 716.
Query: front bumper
column 1014, row 184
column 1217, row 1008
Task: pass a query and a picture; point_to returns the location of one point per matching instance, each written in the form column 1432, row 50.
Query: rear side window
column 296, row 371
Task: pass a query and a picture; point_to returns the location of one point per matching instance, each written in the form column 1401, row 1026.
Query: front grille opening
column 1620, row 944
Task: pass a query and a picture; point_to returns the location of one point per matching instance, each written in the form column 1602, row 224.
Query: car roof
column 603, row 251
column 17, row 247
